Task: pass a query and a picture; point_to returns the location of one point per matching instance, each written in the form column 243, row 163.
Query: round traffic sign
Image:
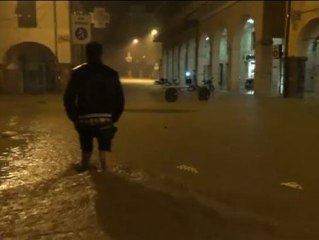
column 81, row 33
column 275, row 53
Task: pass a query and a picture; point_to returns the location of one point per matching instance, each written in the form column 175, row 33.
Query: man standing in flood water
column 94, row 101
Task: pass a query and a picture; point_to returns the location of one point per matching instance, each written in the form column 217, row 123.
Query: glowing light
column 154, row 32
column 250, row 20
column 188, row 74
column 135, row 41
column 207, row 38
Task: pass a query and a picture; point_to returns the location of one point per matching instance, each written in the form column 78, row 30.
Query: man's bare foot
column 102, row 167
column 80, row 167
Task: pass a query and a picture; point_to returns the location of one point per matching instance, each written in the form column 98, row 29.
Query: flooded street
column 41, row 197
column 161, row 186
column 216, row 122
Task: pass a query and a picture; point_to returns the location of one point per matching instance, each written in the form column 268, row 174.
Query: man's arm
column 120, row 99
column 70, row 97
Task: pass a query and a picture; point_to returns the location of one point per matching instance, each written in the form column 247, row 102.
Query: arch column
column 215, row 61
column 182, row 63
column 220, row 60
column 204, row 58
column 170, row 65
column 164, row 64
column 233, row 63
column 263, row 71
column 175, row 63
column 191, row 57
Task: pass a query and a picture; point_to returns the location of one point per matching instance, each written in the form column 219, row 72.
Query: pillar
column 263, row 70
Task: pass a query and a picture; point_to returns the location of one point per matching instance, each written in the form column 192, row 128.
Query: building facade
column 35, row 52
column 230, row 42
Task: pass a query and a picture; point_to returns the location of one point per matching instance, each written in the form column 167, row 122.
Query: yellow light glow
column 135, row 41
column 154, row 32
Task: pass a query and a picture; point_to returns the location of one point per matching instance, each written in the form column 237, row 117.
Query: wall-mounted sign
column 81, row 29
column 100, row 17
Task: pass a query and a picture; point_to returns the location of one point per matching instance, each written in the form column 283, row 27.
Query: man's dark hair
column 94, row 51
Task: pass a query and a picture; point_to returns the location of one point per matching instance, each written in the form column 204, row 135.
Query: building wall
column 43, row 34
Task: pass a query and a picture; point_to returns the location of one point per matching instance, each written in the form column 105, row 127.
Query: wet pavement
column 41, row 198
column 185, row 170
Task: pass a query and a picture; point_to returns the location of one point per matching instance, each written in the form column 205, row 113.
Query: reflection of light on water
column 137, row 81
column 37, row 160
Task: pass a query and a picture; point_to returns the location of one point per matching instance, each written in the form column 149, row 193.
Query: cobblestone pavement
column 175, row 176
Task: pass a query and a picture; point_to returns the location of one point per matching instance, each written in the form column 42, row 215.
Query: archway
column 223, row 60
column 191, row 60
column 247, row 58
column 30, row 68
column 204, row 71
column 182, row 63
column 308, row 47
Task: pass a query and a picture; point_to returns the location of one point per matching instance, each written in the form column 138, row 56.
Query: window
column 27, row 15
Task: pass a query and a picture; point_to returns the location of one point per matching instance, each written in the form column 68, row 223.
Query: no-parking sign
column 81, row 29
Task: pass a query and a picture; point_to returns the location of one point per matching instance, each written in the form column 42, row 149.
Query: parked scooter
column 206, row 90
column 161, row 81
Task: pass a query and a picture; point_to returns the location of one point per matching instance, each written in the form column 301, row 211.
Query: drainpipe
column 287, row 31
column 58, row 77
column 55, row 30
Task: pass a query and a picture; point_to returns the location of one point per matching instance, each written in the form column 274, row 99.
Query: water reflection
column 33, row 195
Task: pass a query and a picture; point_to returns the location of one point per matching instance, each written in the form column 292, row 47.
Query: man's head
column 94, row 52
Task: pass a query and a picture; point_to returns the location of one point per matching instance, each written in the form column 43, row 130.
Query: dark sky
column 119, row 33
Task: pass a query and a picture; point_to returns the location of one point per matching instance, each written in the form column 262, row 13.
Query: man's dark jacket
column 94, row 88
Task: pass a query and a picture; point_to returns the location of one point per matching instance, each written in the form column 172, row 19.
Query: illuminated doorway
column 247, row 61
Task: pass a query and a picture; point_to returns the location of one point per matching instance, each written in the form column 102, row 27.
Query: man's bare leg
column 102, row 158
column 83, row 165
column 86, row 157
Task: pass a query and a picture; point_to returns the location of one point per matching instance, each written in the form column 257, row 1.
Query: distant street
column 186, row 170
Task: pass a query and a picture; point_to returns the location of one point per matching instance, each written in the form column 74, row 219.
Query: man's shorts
column 95, row 127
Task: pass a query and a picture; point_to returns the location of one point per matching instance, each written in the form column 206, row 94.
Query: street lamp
column 154, row 32
column 135, row 41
